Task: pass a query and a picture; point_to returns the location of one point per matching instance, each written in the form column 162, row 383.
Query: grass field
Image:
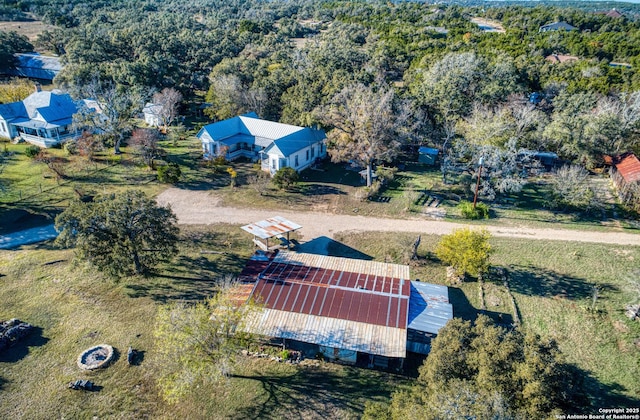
column 552, row 283
column 31, row 28
column 74, row 307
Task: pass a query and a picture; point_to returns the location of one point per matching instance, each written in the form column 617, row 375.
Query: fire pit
column 95, row 357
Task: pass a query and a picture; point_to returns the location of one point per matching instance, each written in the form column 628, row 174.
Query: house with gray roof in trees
column 274, row 145
column 557, row 26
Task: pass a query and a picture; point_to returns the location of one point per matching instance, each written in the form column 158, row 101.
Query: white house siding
column 152, row 120
column 307, row 156
column 6, row 129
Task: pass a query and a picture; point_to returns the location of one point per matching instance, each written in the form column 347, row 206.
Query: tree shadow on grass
column 532, row 281
column 167, row 288
column 320, row 189
column 462, row 308
column 323, row 245
column 3, row 382
column 317, row 393
column 21, row 349
column 596, row 394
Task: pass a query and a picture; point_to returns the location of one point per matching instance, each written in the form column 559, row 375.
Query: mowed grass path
column 74, row 307
column 552, row 283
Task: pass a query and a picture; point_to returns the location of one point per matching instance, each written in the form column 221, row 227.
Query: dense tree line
column 462, row 90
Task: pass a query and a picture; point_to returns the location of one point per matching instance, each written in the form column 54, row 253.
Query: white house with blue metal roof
column 44, row 118
column 274, row 144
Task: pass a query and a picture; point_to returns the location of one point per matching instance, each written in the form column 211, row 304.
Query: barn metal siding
column 330, row 332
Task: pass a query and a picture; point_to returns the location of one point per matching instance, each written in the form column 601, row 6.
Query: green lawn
column 31, row 194
column 552, row 283
column 74, row 307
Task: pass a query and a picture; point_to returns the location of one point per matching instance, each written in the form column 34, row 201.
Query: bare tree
column 88, row 144
column 168, row 100
column 200, row 343
column 572, row 189
column 113, row 109
column 145, row 141
column 365, row 126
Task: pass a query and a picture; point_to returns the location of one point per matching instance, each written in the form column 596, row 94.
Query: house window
column 273, row 163
column 307, row 154
column 295, row 160
column 4, row 127
column 313, row 151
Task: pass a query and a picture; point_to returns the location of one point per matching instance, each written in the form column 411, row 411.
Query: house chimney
column 38, row 87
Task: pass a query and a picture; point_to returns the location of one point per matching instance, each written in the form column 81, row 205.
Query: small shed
column 547, row 159
column 152, row 114
column 275, row 227
column 36, row 66
column 427, row 155
column 625, row 174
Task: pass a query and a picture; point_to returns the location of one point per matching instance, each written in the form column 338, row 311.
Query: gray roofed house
column 44, row 118
column 36, row 66
column 275, row 144
column 557, row 26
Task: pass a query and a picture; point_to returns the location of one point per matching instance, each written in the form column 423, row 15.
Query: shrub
column 468, row 212
column 71, row 147
column 285, row 354
column 385, row 174
column 285, row 178
column 466, row 250
column 32, row 151
column 169, row 173
column 219, row 161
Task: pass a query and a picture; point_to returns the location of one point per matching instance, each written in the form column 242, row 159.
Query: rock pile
column 12, row 331
column 633, row 312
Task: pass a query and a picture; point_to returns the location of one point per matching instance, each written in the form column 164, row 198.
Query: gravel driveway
column 203, row 207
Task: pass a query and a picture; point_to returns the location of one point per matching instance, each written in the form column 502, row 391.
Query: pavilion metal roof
column 271, row 227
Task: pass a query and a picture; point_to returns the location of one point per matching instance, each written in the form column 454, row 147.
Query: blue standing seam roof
column 429, row 307
column 428, row 150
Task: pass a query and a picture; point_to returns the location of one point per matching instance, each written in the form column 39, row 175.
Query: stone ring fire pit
column 95, row 357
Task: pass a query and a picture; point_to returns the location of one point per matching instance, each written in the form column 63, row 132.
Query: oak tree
column 119, row 234
column 364, row 125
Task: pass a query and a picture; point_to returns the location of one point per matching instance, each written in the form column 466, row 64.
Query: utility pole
column 475, row 196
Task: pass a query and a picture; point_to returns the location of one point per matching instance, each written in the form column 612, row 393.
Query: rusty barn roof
column 339, row 302
column 628, row 166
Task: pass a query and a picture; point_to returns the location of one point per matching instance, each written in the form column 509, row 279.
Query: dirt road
column 202, row 207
